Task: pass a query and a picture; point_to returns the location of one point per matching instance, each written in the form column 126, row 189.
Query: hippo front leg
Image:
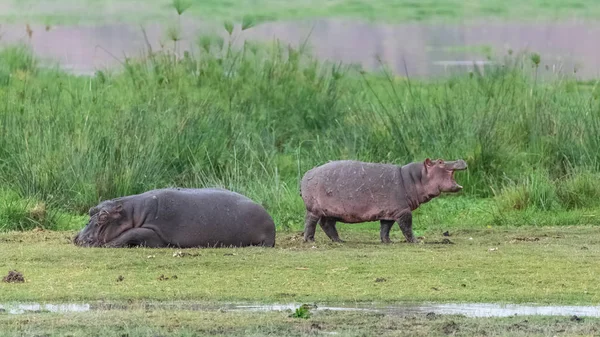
column 405, row 223
column 137, row 237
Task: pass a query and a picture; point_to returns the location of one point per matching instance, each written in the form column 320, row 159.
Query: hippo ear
column 93, row 210
column 428, row 163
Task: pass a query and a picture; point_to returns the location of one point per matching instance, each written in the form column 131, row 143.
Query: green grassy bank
column 256, row 119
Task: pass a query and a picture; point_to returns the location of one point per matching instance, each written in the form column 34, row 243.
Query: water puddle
column 416, row 49
column 36, row 308
column 466, row 309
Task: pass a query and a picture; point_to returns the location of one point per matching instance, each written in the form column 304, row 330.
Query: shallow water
column 414, row 49
column 466, row 309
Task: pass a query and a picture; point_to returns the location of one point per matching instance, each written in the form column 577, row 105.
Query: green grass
column 217, row 323
column 256, row 119
column 547, row 265
column 94, row 11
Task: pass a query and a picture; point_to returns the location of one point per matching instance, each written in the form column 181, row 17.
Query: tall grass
column 254, row 120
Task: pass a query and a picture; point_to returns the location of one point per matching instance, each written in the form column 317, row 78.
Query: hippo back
column 208, row 217
column 353, row 191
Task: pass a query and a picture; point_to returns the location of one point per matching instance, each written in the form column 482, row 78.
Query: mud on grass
column 515, row 265
column 224, row 323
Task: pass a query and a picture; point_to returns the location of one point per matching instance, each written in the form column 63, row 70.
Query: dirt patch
column 380, row 279
column 446, row 233
column 299, row 236
column 13, row 277
column 120, row 278
column 576, row 318
column 162, row 277
column 524, row 239
column 182, row 254
column 450, row 328
column 443, row 242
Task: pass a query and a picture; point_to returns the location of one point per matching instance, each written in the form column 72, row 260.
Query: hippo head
column 438, row 175
column 106, row 223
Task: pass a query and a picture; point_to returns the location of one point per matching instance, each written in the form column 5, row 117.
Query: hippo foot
column 388, row 241
column 338, row 240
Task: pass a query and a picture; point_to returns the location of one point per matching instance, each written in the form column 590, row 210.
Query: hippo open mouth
column 459, row 165
column 458, row 186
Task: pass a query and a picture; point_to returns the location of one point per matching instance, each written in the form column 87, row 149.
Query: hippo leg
column 310, row 226
column 405, row 223
column 328, row 226
column 137, row 237
column 386, row 226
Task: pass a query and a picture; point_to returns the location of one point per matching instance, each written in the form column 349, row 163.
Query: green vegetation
column 93, row 11
column 254, row 120
column 550, row 265
column 217, row 323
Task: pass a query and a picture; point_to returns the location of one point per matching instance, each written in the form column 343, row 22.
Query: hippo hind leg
column 405, row 223
column 328, row 226
column 386, row 226
column 137, row 237
column 310, row 226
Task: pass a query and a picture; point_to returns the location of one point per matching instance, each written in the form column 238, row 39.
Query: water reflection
column 466, row 309
column 416, row 49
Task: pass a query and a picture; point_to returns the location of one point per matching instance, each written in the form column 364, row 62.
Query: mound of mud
column 13, row 277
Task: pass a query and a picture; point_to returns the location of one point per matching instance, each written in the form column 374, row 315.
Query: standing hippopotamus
column 352, row 192
column 179, row 217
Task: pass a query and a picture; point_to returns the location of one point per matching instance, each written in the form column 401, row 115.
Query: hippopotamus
column 179, row 217
column 352, row 192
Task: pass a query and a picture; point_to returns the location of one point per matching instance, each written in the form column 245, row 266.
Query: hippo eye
column 103, row 216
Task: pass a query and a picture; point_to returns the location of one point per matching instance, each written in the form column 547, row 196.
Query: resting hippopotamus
column 179, row 217
column 352, row 192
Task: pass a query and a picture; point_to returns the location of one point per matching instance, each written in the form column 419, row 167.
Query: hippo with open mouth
column 178, row 217
column 352, row 191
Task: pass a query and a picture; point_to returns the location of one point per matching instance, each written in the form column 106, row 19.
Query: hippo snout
column 458, row 165
column 78, row 240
